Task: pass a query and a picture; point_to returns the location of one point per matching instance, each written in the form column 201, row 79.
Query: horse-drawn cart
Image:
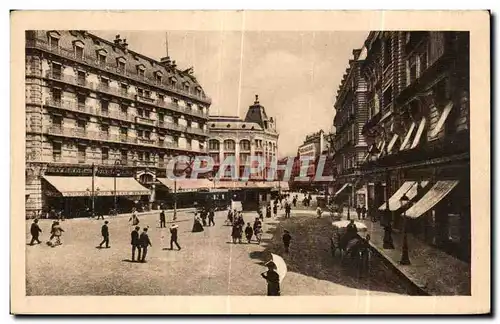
column 351, row 245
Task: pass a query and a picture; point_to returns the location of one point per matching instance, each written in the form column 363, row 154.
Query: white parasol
column 344, row 223
column 280, row 264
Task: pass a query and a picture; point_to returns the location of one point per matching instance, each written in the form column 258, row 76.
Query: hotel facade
column 103, row 121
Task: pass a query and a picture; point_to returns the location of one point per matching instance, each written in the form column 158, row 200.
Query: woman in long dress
column 197, row 227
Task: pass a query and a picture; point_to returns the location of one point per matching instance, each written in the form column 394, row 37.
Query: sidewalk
column 432, row 270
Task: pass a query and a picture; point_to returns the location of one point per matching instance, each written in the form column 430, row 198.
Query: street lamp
column 92, row 192
column 405, row 259
column 116, row 174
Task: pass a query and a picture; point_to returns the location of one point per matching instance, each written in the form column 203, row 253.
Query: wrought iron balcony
column 144, row 121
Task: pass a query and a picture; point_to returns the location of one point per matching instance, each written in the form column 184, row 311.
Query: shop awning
column 410, row 188
column 442, row 119
column 391, row 143
column 125, row 186
column 186, row 184
column 419, row 133
column 342, row 189
column 407, row 137
column 103, row 186
column 431, row 198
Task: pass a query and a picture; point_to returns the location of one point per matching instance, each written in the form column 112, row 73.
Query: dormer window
column 186, row 86
column 54, row 39
column 141, row 70
column 173, row 81
column 78, row 47
column 158, row 77
column 120, row 64
column 198, row 90
column 101, row 56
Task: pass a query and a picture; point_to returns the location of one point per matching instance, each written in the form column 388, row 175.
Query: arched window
column 229, row 145
column 214, row 144
column 245, row 145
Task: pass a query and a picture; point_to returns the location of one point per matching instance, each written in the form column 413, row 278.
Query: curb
column 418, row 288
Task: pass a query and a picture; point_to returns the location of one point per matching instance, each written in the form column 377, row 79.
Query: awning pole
column 93, row 176
column 175, row 199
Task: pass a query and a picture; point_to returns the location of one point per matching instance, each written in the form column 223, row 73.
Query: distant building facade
column 349, row 142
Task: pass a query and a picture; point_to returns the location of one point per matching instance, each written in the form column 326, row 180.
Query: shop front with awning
column 73, row 195
column 342, row 189
column 437, row 193
column 410, row 188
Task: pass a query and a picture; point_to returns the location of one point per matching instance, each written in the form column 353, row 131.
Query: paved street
column 208, row 263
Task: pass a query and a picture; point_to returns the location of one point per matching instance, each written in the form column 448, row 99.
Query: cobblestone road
column 208, row 263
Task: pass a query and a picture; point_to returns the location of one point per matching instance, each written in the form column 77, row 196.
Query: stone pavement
column 432, row 270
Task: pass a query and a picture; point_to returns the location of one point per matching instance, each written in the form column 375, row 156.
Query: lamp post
column 405, row 259
column 175, row 199
column 388, row 242
column 92, row 193
column 116, row 174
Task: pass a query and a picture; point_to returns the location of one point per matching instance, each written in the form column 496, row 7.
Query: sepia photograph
column 215, row 156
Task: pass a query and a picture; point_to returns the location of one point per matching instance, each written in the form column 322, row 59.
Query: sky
column 295, row 74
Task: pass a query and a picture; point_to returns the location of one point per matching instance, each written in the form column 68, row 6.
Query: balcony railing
column 171, row 126
column 145, row 141
column 111, row 67
column 69, row 105
column 143, row 99
column 114, row 91
column 145, row 121
column 197, row 131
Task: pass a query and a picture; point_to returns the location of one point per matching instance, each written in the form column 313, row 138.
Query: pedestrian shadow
column 129, row 261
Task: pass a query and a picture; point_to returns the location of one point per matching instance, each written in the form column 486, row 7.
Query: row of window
column 230, row 145
column 104, row 82
column 107, row 154
column 81, row 101
column 102, row 60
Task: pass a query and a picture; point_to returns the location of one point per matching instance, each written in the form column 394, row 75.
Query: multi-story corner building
column 349, row 143
column 96, row 106
column 312, row 148
column 418, row 134
column 255, row 135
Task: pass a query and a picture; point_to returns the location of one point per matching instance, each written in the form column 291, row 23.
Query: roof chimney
column 174, row 65
column 165, row 61
column 125, row 45
column 118, row 40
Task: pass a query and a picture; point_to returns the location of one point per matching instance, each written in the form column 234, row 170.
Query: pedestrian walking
column 257, row 230
column 56, row 234
column 273, row 280
column 35, row 232
column 145, row 243
column 249, row 232
column 363, row 212
column 358, row 212
column 211, row 216
column 275, row 209
column 105, row 235
column 136, row 245
column 287, row 238
column 203, row 216
column 319, row 212
column 268, row 211
column 100, row 215
column 162, row 219
column 294, row 201
column 173, row 237
column 288, row 209
column 134, row 218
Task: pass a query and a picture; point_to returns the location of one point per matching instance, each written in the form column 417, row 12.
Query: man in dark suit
column 211, row 216
column 145, row 243
column 105, row 235
column 273, row 280
column 35, row 232
column 135, row 243
column 173, row 237
column 162, row 219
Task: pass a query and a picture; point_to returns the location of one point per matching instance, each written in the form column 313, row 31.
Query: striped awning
column 438, row 191
column 342, row 189
column 186, row 184
column 103, row 186
column 410, row 188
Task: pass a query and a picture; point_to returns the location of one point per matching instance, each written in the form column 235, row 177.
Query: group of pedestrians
column 55, row 233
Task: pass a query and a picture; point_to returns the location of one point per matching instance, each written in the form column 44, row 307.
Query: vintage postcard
column 250, row 162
